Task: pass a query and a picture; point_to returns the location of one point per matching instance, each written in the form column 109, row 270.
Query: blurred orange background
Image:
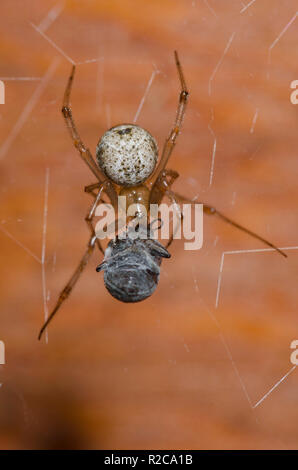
column 175, row 371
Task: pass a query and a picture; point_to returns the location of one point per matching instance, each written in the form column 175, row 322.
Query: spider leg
column 84, row 152
column 163, row 184
column 160, row 189
column 90, row 190
column 173, row 200
column 213, row 211
column 67, row 113
column 171, row 140
column 89, row 217
column 71, row 283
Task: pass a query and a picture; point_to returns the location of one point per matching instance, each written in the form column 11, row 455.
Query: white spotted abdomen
column 127, row 154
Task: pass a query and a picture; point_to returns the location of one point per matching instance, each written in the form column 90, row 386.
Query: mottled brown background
column 173, row 371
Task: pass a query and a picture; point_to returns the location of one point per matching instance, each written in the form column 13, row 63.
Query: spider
column 126, row 165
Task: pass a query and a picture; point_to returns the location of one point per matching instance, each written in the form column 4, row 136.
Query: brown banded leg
column 171, row 140
column 163, row 184
column 84, row 152
column 89, row 217
column 90, row 190
column 162, row 188
column 212, row 211
column 71, row 283
column 173, row 200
